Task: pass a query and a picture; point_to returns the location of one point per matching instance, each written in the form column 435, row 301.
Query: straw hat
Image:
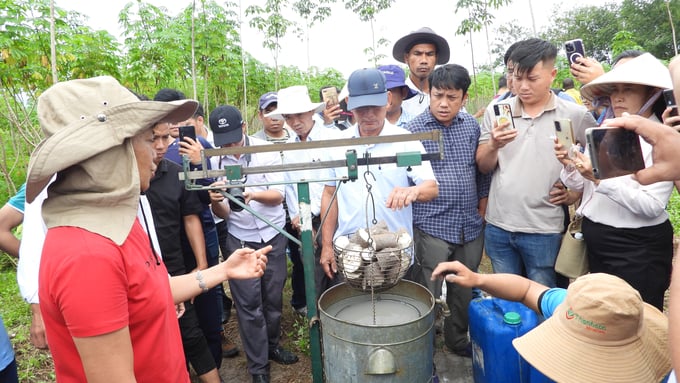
column 643, row 70
column 87, row 124
column 294, row 100
column 423, row 35
column 602, row 332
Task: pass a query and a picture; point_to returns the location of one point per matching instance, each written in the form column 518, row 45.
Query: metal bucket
column 397, row 348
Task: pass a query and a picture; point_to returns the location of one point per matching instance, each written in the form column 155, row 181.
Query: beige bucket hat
column 87, row 124
column 643, row 70
column 602, row 332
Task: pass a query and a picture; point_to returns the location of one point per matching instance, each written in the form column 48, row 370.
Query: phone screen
column 614, row 152
column 187, row 131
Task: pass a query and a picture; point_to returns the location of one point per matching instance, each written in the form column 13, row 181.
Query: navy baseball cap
column 366, row 88
column 268, row 99
column 394, row 78
column 225, row 122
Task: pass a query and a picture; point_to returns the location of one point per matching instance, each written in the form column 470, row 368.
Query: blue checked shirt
column 453, row 215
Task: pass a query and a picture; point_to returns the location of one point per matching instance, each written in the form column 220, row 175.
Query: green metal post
column 309, row 264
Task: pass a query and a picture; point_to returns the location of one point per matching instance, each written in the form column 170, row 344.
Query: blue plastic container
column 494, row 323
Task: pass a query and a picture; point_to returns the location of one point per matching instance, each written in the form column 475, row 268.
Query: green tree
column 479, row 17
column 26, row 70
column 217, row 52
column 648, row 20
column 594, row 25
column 623, row 41
column 312, row 11
column 506, row 35
column 367, row 10
column 271, row 21
column 155, row 48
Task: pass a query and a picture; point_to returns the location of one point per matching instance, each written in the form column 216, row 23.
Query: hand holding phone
column 187, row 131
column 564, row 132
column 669, row 99
column 614, row 152
column 503, row 114
column 574, row 49
column 330, row 96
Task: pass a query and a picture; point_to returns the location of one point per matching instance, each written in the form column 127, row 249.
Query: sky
column 339, row 41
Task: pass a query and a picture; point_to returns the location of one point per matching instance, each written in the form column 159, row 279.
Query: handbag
column 572, row 259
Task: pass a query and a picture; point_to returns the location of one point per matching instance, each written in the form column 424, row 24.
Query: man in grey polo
column 525, row 216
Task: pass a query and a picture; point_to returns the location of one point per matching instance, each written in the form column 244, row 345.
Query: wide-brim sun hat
column 642, row 70
column 294, row 100
column 423, row 35
column 602, row 332
column 87, row 125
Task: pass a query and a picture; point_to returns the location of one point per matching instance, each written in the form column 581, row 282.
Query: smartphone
column 330, row 96
column 670, row 102
column 574, row 49
column 564, row 132
column 503, row 114
column 614, row 152
column 187, row 131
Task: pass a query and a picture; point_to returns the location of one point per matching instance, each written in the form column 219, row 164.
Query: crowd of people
column 118, row 255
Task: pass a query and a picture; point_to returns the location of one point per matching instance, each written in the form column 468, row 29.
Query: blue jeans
column 527, row 254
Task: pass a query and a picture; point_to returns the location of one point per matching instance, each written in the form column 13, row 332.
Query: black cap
column 225, row 122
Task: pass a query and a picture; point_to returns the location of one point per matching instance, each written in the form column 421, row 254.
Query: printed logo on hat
column 589, row 324
column 222, row 123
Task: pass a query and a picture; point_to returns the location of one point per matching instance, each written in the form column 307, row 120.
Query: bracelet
column 201, row 282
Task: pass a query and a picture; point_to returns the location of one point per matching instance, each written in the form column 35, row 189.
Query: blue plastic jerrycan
column 494, row 323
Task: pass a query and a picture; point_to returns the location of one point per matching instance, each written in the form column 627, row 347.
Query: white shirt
column 318, row 133
column 418, row 103
column 352, row 196
column 244, row 225
column 621, row 201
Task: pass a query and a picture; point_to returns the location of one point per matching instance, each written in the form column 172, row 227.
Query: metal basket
column 367, row 269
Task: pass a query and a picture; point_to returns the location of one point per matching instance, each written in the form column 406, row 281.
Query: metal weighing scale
column 235, row 173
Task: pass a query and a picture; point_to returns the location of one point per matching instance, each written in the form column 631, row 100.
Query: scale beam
column 236, row 175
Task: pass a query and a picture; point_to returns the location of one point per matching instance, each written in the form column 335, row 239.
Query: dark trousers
column 222, row 233
column 430, row 251
column 209, row 304
column 259, row 303
column 9, row 373
column 297, row 276
column 194, row 343
column 642, row 256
